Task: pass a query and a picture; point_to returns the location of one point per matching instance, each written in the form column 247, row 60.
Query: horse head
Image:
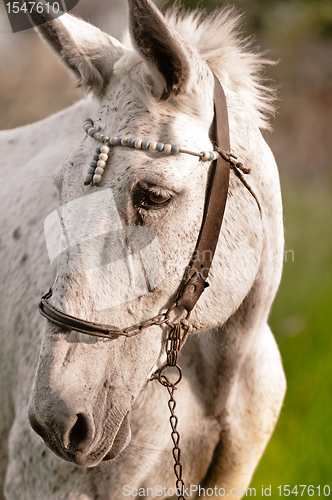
column 156, row 86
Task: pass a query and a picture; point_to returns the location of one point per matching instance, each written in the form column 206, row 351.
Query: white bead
column 105, row 149
column 103, row 157
column 206, row 155
column 101, row 164
column 138, row 143
column 124, row 141
column 112, row 141
column 168, row 148
column 96, row 179
column 97, row 136
column 99, row 171
column 153, row 146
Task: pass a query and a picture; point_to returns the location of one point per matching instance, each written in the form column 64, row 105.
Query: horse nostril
column 79, row 431
column 79, row 435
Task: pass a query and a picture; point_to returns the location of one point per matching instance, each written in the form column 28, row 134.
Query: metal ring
column 169, row 310
column 165, row 382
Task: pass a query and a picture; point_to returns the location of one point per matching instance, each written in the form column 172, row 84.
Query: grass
column 300, row 451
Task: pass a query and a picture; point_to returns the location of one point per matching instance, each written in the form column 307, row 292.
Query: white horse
column 92, row 399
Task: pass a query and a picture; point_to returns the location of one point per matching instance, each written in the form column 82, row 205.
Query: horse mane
column 218, row 39
column 231, row 57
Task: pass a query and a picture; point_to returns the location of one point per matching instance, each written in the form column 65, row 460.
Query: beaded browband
column 98, row 164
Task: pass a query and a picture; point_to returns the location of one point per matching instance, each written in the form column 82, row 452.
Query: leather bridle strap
column 194, row 280
column 65, row 320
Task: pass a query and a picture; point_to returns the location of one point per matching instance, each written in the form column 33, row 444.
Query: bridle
column 194, row 279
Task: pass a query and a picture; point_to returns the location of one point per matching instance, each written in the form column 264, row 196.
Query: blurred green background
column 298, row 33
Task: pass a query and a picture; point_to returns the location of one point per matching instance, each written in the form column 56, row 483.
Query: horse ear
column 88, row 52
column 161, row 47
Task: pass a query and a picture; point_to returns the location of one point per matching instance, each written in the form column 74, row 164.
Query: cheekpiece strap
column 194, row 279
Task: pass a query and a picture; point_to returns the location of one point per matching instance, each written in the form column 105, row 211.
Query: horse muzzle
column 76, row 437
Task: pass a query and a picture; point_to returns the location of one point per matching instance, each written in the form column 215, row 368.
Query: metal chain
column 176, row 440
column 173, row 346
column 132, row 330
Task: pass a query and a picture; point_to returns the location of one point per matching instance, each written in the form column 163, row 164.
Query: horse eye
column 157, row 199
column 145, row 197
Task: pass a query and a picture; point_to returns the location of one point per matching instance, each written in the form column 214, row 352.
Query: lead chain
column 173, row 346
column 176, row 440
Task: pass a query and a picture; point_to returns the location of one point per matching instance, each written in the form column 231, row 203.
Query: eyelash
column 144, row 198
